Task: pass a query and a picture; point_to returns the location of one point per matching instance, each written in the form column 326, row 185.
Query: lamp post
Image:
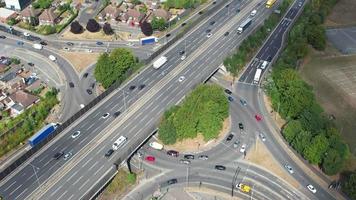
column 234, row 178
column 34, row 169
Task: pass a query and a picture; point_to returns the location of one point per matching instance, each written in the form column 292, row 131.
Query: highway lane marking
column 77, row 180
column 9, row 185
column 64, row 193
column 71, row 197
column 97, row 113
column 83, row 184
column 87, row 162
column 55, row 191
column 90, row 126
column 98, row 170
column 72, row 176
column 96, row 162
column 29, row 177
column 21, row 193
column 100, row 149
column 13, row 191
column 47, row 163
column 96, row 129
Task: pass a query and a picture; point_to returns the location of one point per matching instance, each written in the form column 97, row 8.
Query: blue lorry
column 148, row 40
column 42, row 134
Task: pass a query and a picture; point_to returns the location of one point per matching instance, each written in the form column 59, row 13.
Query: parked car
column 236, row 143
column 189, row 156
column 31, row 64
column 109, row 153
column 43, row 43
column 241, row 126
column 117, row 113
column 173, row 153
column 2, row 37
column 262, row 136
column 227, row 91
column 89, row 91
column 220, row 167
column 99, row 43
column 150, row 159
column 183, row 161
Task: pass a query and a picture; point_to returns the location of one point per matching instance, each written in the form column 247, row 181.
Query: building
column 110, row 12
column 6, row 14
column 26, row 100
column 162, row 13
column 17, row 4
column 29, row 12
column 48, row 17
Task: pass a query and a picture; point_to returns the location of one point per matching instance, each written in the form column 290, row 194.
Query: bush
column 11, row 21
column 131, row 178
column 46, row 29
column 146, row 28
column 349, row 185
column 158, row 24
column 107, row 29
column 76, row 28
column 93, row 26
column 43, row 4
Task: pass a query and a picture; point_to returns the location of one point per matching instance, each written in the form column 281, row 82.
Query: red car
column 150, row 158
column 258, row 117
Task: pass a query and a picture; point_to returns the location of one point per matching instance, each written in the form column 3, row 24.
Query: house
column 17, row 4
column 110, row 12
column 152, row 4
column 162, row 13
column 6, row 14
column 16, row 109
column 29, row 12
column 35, row 86
column 48, row 17
column 26, row 100
column 116, row 2
column 2, row 68
column 134, row 16
column 6, row 78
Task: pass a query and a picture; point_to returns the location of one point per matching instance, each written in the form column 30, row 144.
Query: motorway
column 74, row 177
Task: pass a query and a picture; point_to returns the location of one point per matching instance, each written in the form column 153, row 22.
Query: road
column 162, row 89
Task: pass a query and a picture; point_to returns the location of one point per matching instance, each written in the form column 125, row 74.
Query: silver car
column 289, row 168
column 263, row 137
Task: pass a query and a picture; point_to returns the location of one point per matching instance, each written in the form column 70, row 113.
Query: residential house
column 48, row 17
column 26, row 100
column 6, row 14
column 35, row 86
column 134, row 16
column 4, row 80
column 116, row 2
column 162, row 13
column 152, row 4
column 17, row 4
column 16, row 109
column 29, row 12
column 3, row 68
column 110, row 12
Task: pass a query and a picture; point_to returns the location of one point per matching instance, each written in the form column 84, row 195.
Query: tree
column 158, row 24
column 316, row 150
column 349, row 185
column 93, row 26
column 292, row 129
column 316, row 36
column 76, row 28
column 167, row 132
column 146, row 28
column 107, row 29
column 301, row 141
column 11, row 21
column 44, row 4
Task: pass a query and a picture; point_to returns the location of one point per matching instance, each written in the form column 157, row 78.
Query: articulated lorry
column 148, row 40
column 270, row 3
column 257, row 76
column 159, row 62
column 244, row 25
column 42, row 134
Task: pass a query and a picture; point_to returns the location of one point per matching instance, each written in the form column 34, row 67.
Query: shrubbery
column 203, row 111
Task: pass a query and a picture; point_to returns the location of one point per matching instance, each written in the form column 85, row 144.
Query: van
column 156, row 145
column 52, row 58
column 264, row 64
column 37, row 46
column 253, row 13
column 119, row 142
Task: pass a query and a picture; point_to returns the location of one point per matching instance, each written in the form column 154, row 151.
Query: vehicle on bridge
column 42, row 134
column 243, row 188
column 270, row 3
column 244, row 25
column 257, row 77
column 159, row 62
column 119, row 142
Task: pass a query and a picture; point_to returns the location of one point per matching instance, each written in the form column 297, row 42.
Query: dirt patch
column 198, row 144
column 80, row 60
column 86, row 35
column 343, row 14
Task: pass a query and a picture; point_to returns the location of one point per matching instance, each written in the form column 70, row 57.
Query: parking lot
column 344, row 39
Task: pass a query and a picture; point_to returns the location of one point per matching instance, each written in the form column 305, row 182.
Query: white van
column 253, row 13
column 119, row 142
column 37, row 46
column 156, row 145
column 52, row 57
column 264, row 64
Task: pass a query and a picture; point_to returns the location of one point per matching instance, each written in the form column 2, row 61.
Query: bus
column 270, row 3
column 119, row 142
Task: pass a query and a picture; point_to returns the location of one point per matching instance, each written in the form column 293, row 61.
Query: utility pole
column 187, row 178
column 234, row 178
column 34, row 169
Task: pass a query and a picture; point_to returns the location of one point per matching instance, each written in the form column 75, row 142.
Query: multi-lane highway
column 162, row 89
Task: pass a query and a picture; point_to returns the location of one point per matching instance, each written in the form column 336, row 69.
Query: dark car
column 89, row 91
column 220, row 167
column 229, row 138
column 214, row 2
column 238, row 10
column 201, row 12
column 230, row 98
column 43, row 43
column 227, row 5
column 117, row 113
column 99, row 43
column 70, row 43
column 189, row 156
column 85, row 75
column 20, row 43
column 243, row 102
column 109, row 153
column 172, row 181
column 241, row 126
column 212, row 22
column 226, row 33
column 173, row 153
column 31, row 64
column 71, row 84
column 203, row 157
column 227, row 91
column 58, row 155
column 208, row 31
column 2, row 37
column 183, row 24
column 132, row 87
column 168, row 34
column 92, row 85
column 141, row 86
column 181, row 52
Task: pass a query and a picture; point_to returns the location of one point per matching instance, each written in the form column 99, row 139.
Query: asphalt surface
column 343, row 39
column 90, row 163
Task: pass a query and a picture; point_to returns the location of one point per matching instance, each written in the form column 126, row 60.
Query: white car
column 263, row 137
column 89, row 51
column 289, row 168
column 52, row 58
column 106, row 115
column 243, row 148
column 181, row 79
column 75, row 134
column 253, row 13
column 311, row 188
column 82, row 105
column 183, row 57
column 67, row 155
column 26, row 34
column 209, row 35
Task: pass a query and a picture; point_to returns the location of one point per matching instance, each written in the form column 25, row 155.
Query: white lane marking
column 54, row 192
column 71, row 197
column 29, row 177
column 72, row 176
column 96, row 162
column 10, row 185
column 90, row 126
column 98, row 170
column 84, row 184
column 87, row 162
column 21, row 193
column 100, row 150
column 77, row 180
column 60, row 197
column 15, row 190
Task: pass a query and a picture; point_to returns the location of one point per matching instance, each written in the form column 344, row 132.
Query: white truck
column 156, row 145
column 37, row 46
column 244, row 25
column 119, row 142
column 159, row 62
column 257, row 76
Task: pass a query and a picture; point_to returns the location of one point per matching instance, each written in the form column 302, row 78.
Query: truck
column 148, row 40
column 257, row 76
column 37, row 46
column 156, row 145
column 243, row 188
column 159, row 62
column 244, row 25
column 270, row 3
column 42, row 134
column 119, row 142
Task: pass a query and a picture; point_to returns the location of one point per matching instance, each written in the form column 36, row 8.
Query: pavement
column 343, row 39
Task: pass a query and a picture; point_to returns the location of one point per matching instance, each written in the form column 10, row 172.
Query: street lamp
column 234, row 178
column 34, row 169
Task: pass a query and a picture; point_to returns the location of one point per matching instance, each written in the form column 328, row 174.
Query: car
column 230, row 98
column 300, row 4
column 66, row 48
column 89, row 51
column 31, row 64
column 229, row 138
column 168, row 35
column 203, row 157
column 172, row 181
column 82, row 105
column 258, row 117
column 43, row 43
column 70, row 43
column 106, row 115
column 2, row 37
column 58, row 155
column 89, row 91
column 183, row 57
column 311, row 188
column 52, row 58
column 243, row 102
column 141, row 86
column 289, row 168
column 253, row 13
column 236, row 143
column 243, row 148
column 238, row 10
column 150, row 158
column 208, row 31
column 99, row 43
column 212, row 22
column 67, row 155
column 241, row 126
column 181, row 79
column 220, row 167
column 75, row 134
column 26, row 34
column 92, row 85
column 189, row 156
column 173, row 153
column 183, row 24
column 262, row 136
column 226, row 33
column 209, row 35
column 139, row 154
column 117, row 113
column 132, row 87
column 85, row 75
column 200, row 12
column 227, row 91
column 181, row 52
column 20, row 43
column 109, row 153
column 71, row 84
column 183, row 161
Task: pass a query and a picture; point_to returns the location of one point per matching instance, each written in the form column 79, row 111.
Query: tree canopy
column 76, row 28
column 93, row 26
column 107, row 29
column 349, row 185
column 158, row 24
column 146, row 28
